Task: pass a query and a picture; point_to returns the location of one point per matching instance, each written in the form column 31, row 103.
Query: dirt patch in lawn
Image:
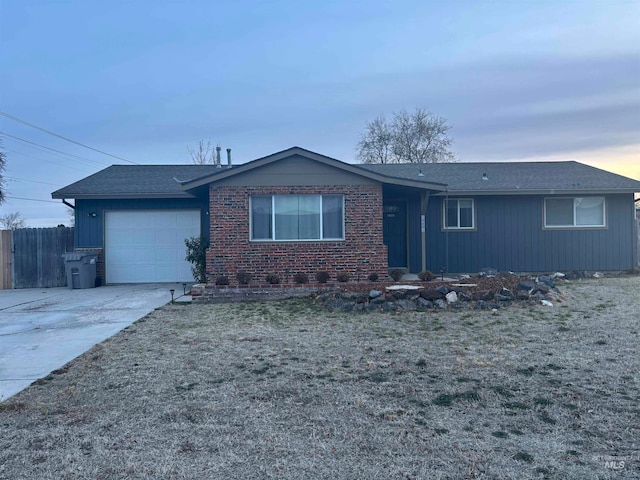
column 285, row 389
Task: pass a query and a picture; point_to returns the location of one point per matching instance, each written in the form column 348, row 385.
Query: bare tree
column 203, row 154
column 418, row 137
column 12, row 221
column 376, row 144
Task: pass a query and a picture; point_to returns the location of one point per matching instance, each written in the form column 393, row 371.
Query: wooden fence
column 5, row 259
column 34, row 257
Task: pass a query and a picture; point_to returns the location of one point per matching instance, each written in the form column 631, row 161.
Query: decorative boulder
column 432, row 294
column 451, row 297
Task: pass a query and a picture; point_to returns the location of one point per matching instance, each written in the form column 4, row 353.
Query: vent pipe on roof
column 484, row 176
column 228, row 158
column 218, row 161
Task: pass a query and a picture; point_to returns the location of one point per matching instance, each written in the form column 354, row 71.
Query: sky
column 543, row 80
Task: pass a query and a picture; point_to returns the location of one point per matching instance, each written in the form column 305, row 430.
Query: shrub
column 244, row 278
column 222, row 280
column 323, row 277
column 343, row 277
column 396, row 274
column 373, row 277
column 272, row 278
column 301, row 278
column 426, row 275
column 197, row 257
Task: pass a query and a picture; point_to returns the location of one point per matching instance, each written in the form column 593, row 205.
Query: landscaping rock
column 424, row 303
column 504, row 295
column 542, row 287
column 526, row 285
column 432, row 294
column 488, row 272
column 451, row 297
column 405, row 304
column 440, row 303
column 547, row 280
column 482, row 295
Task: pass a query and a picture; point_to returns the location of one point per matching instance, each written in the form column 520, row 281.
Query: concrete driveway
column 43, row 329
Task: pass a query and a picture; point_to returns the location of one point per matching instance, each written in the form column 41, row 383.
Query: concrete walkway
column 43, row 329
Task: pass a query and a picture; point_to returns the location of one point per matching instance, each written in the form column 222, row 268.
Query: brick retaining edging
column 205, row 293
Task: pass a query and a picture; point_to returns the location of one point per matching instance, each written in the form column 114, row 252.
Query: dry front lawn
column 288, row 390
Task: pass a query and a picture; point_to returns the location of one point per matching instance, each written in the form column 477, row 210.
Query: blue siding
column 510, row 236
column 89, row 230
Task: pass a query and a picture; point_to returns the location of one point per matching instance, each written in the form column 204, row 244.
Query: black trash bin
column 81, row 269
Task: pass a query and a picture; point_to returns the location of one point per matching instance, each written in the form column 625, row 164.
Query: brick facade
column 360, row 254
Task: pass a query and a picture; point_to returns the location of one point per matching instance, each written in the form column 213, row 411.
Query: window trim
column 446, row 228
column 273, row 219
column 574, row 226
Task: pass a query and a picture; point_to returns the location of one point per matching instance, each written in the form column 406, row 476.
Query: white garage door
column 147, row 246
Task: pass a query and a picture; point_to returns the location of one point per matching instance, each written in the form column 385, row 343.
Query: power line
column 30, row 199
column 32, row 181
column 19, row 120
column 53, row 149
column 53, row 161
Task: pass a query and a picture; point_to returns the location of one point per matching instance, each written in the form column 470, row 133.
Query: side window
column 458, row 214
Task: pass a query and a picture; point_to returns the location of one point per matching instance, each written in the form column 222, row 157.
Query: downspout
column 424, row 201
column 446, row 230
column 635, row 260
column 71, row 206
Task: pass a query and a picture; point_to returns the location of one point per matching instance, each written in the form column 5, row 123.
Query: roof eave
column 121, row 196
column 590, row 191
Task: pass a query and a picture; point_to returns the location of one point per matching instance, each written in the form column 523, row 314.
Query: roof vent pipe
column 484, row 176
column 218, row 161
column 228, row 158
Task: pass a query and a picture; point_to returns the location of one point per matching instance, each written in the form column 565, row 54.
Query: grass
column 287, row 390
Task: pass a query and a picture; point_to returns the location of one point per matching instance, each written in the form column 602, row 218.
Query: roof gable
column 249, row 167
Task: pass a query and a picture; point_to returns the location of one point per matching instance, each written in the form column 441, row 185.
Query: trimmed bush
column 197, row 257
column 243, row 278
column 426, row 275
column 323, row 277
column 272, row 278
column 301, row 278
column 373, row 277
column 222, row 280
column 343, row 277
column 396, row 274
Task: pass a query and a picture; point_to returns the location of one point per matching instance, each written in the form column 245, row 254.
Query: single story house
column 297, row 211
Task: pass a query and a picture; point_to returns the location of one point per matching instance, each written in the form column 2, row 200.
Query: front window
column 580, row 212
column 297, row 217
column 458, row 214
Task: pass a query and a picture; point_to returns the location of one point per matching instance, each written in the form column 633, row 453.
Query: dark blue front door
column 394, row 232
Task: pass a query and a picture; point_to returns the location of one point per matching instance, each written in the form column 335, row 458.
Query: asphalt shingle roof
column 128, row 181
column 511, row 177
column 136, row 180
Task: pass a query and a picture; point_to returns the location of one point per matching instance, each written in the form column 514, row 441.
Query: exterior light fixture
column 184, row 288
column 172, row 291
column 420, row 174
column 92, row 214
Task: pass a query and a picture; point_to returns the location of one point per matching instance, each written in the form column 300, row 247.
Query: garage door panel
column 148, row 246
